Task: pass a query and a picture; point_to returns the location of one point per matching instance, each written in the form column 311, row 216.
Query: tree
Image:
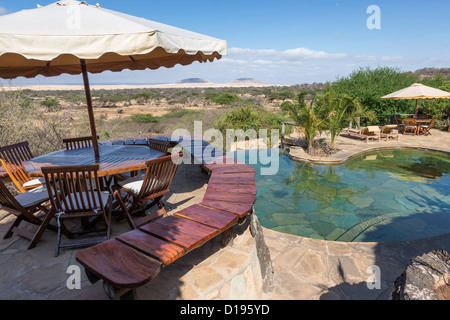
column 369, row 85
column 225, row 99
column 311, row 117
column 340, row 109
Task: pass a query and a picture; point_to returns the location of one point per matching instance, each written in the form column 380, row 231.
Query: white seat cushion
column 104, row 195
column 33, row 197
column 133, row 184
column 34, row 183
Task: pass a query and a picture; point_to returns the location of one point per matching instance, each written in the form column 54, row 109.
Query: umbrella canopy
column 76, row 38
column 417, row 91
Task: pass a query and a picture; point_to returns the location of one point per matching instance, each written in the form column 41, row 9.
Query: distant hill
column 247, row 81
column 192, row 80
column 429, row 72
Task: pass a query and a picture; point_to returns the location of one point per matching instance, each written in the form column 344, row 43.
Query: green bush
column 250, row 118
column 225, row 99
column 144, row 118
column 369, row 85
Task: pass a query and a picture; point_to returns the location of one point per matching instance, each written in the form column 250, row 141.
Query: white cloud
column 297, row 54
column 3, row 11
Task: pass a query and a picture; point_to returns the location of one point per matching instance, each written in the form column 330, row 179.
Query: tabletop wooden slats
column 113, row 159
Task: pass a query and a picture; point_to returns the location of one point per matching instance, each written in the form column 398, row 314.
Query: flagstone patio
column 293, row 268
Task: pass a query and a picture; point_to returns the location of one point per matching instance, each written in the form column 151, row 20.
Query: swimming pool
column 388, row 195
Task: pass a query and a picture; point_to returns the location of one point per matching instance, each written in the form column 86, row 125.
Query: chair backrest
column 11, row 158
column 78, row 143
column 17, row 174
column 74, row 189
column 160, row 145
column 7, row 200
column 159, row 176
column 398, row 120
column 16, row 153
column 409, row 121
column 118, row 142
column 432, row 123
column 142, row 141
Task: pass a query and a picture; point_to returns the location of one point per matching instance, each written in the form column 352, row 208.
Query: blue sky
column 287, row 41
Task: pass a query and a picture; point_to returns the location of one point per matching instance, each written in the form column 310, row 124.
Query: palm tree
column 310, row 117
column 340, row 110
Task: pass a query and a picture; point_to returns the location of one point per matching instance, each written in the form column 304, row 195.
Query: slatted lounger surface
column 136, row 258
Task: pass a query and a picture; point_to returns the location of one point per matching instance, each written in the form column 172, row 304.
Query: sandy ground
column 141, row 86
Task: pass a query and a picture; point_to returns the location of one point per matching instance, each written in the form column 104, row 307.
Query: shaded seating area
column 415, row 126
column 136, row 258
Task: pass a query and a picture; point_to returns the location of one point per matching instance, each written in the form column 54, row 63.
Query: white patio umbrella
column 76, row 38
column 417, row 91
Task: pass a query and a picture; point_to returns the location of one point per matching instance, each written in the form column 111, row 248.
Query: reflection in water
column 413, row 165
column 360, row 200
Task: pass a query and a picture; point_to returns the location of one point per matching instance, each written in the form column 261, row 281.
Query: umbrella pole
column 87, row 90
column 415, row 113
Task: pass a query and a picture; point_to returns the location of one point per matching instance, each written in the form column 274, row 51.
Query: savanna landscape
column 45, row 117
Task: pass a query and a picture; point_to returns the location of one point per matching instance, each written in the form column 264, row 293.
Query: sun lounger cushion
column 373, row 128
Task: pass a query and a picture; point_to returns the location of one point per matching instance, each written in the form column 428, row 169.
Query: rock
column 263, row 253
column 426, row 278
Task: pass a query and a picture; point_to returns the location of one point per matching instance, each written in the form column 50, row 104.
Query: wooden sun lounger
column 136, row 258
column 366, row 133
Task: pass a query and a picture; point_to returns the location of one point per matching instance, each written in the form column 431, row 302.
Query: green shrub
column 369, row 85
column 144, row 118
column 225, row 99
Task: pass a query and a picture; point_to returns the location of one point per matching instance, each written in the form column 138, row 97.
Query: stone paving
column 303, row 269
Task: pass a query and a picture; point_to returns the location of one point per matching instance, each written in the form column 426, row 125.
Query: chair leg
column 124, row 210
column 41, row 229
column 15, row 224
column 108, row 232
column 161, row 208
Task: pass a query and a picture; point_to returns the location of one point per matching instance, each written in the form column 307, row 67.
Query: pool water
column 389, row 195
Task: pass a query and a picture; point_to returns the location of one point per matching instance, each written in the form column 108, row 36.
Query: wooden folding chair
column 410, row 126
column 11, row 158
column 78, row 143
column 25, row 207
column 400, row 124
column 159, row 145
column 152, row 186
column 426, row 129
column 19, row 176
column 74, row 194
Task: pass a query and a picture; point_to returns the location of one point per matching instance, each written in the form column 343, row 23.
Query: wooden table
column 113, row 159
